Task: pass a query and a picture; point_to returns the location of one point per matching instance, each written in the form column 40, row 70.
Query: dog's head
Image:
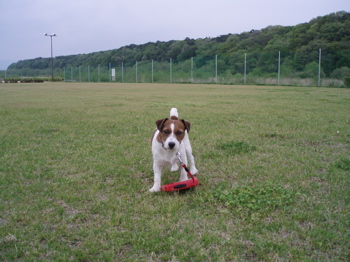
column 172, row 132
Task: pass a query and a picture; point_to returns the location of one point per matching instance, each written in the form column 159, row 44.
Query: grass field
column 76, row 166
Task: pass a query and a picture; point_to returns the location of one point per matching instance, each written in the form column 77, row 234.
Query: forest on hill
column 298, row 45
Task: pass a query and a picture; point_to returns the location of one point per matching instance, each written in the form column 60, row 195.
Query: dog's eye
column 166, row 132
column 179, row 133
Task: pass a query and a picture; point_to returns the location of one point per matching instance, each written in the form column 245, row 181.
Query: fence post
column 279, row 67
column 319, row 66
column 122, row 72
column 192, row 69
column 171, row 73
column 71, row 73
column 98, row 72
column 136, row 71
column 245, row 68
column 216, row 69
column 79, row 74
column 110, row 72
column 152, row 70
column 89, row 73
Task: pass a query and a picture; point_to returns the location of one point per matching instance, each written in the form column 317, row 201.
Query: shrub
column 347, row 81
column 341, row 72
column 31, row 80
column 311, row 71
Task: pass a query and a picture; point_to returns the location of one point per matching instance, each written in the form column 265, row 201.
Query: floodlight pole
column 46, row 34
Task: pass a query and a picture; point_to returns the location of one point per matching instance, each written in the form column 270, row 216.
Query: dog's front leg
column 157, row 169
column 183, row 173
column 189, row 155
column 192, row 164
column 174, row 167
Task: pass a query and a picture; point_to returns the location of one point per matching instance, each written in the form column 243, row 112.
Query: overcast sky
column 85, row 26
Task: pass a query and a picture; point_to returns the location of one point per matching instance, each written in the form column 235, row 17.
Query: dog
column 170, row 137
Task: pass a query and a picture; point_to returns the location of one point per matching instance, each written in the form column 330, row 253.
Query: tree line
column 299, row 46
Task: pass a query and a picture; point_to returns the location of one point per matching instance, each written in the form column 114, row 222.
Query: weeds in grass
column 272, row 135
column 343, row 164
column 234, row 148
column 260, row 199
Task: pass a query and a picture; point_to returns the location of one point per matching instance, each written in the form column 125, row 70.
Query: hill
column 299, row 46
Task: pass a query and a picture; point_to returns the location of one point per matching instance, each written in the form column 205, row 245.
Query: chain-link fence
column 314, row 68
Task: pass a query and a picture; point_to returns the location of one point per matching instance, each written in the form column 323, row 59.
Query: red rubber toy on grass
column 182, row 184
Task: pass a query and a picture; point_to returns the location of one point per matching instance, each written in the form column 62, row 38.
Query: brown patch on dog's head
column 186, row 124
column 165, row 130
column 160, row 123
column 179, row 129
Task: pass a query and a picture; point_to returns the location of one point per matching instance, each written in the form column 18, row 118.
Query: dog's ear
column 160, row 123
column 186, row 124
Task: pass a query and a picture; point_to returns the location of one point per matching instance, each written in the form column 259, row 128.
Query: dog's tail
column 174, row 115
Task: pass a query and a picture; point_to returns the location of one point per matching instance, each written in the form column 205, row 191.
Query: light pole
column 46, row 34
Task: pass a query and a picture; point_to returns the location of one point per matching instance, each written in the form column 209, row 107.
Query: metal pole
column 245, row 68
column 122, row 72
column 98, row 72
column 110, row 73
column 192, row 69
column 51, row 61
column 216, row 69
column 279, row 67
column 46, row 34
column 319, row 67
column 171, row 73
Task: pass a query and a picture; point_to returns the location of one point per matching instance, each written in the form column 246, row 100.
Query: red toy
column 182, row 184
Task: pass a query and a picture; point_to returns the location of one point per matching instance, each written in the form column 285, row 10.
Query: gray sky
column 85, row 26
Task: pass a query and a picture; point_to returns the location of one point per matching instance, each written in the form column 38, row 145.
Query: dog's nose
column 171, row 145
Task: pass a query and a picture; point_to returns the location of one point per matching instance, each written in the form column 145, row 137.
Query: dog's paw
column 194, row 170
column 154, row 189
column 183, row 175
column 174, row 168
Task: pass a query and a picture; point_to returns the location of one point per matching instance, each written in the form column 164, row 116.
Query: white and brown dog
column 171, row 136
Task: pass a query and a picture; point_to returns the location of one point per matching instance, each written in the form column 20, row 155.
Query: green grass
column 76, row 166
